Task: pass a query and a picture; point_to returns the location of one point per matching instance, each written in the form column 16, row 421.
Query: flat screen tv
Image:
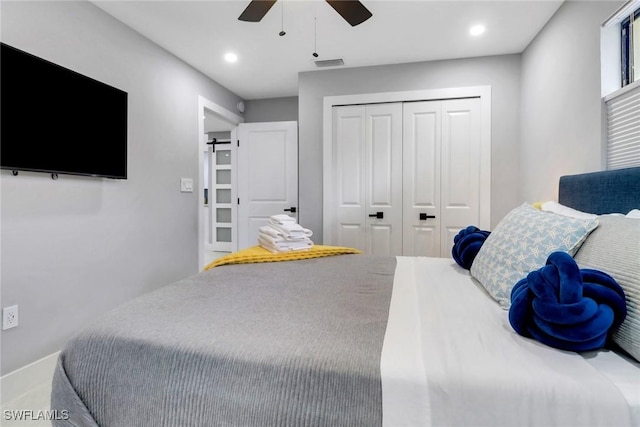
column 56, row 120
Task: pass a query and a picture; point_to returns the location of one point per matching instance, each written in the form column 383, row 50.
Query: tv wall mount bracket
column 54, row 176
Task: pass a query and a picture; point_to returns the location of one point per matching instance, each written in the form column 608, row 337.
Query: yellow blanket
column 259, row 254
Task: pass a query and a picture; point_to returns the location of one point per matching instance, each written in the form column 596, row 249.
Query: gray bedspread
column 294, row 343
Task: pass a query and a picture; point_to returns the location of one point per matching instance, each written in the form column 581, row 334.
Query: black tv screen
column 56, row 120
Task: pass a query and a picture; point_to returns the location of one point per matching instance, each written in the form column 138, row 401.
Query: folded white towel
column 269, row 247
column 268, row 230
column 281, row 219
column 276, row 247
column 291, row 229
column 282, row 243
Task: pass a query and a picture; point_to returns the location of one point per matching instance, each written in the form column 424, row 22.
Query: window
column 630, row 44
column 623, row 105
column 623, row 128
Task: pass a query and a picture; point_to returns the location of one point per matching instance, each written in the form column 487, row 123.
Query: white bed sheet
column 624, row 372
column 450, row 357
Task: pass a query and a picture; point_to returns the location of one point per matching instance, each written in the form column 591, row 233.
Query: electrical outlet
column 9, row 317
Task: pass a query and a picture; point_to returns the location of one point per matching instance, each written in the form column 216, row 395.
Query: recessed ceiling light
column 476, row 30
column 230, row 57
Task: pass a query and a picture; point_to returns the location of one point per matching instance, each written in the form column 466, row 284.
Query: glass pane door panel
column 223, row 196
column 223, row 215
column 223, row 157
column 223, row 176
column 223, row 234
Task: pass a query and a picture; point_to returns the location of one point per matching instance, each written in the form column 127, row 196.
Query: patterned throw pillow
column 521, row 243
column 615, row 249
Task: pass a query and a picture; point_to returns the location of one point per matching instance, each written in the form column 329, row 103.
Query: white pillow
column 615, row 249
column 556, row 207
column 521, row 243
column 635, row 213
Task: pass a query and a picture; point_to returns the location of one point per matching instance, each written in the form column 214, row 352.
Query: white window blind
column 623, row 128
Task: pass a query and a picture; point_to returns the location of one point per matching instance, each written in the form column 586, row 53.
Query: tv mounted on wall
column 58, row 121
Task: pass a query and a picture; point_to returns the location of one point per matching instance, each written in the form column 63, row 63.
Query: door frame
column 482, row 92
column 204, row 103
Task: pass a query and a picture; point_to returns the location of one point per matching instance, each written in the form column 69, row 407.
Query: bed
column 356, row 340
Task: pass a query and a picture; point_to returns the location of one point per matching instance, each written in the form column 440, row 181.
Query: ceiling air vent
column 329, row 63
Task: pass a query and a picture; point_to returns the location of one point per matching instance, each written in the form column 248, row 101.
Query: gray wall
column 561, row 104
column 271, row 110
column 76, row 247
column 502, row 73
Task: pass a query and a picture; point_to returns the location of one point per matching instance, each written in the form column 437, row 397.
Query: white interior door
column 267, row 175
column 421, row 178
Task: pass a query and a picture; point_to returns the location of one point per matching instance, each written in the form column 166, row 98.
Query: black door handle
column 292, row 209
column 378, row 215
column 424, row 216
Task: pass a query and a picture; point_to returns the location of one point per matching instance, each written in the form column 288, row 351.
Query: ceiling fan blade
column 352, row 11
column 256, row 10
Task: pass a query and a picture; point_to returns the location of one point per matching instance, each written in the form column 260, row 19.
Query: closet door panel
column 421, row 178
column 460, row 173
column 350, row 235
column 380, row 240
column 349, row 176
column 423, row 241
column 383, row 156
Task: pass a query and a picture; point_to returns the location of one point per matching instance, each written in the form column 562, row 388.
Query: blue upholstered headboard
column 614, row 191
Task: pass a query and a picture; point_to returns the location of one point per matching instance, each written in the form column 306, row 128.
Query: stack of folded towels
column 282, row 234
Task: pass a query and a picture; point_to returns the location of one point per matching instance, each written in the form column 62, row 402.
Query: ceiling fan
column 352, row 11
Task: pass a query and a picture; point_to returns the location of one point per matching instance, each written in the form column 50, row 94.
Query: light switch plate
column 186, row 185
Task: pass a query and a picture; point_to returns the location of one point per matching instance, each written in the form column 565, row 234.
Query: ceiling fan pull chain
column 315, row 37
column 282, row 32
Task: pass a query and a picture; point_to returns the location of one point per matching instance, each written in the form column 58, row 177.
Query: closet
column 405, row 176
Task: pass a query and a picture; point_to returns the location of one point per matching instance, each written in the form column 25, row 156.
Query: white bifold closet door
column 406, row 176
column 441, row 172
column 368, row 177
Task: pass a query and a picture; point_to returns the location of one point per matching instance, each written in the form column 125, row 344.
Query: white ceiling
column 201, row 32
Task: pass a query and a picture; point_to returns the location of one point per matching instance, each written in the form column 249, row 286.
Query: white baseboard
column 20, row 381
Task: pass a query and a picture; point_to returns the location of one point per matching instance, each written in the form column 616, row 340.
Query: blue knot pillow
column 565, row 307
column 466, row 245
